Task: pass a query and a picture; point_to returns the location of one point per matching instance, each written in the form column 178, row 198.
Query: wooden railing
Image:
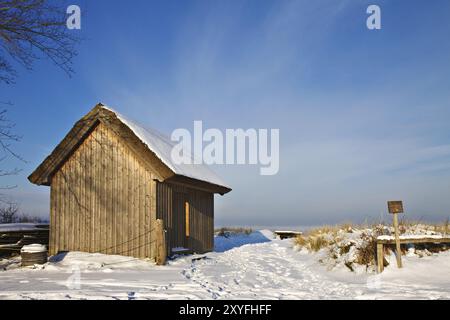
column 403, row 240
column 13, row 241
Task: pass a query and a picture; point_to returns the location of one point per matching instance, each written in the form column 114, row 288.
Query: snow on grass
column 96, row 261
column 8, row 227
column 354, row 247
column 256, row 266
column 412, row 236
column 8, row 264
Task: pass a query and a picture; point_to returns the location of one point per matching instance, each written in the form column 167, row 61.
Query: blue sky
column 363, row 115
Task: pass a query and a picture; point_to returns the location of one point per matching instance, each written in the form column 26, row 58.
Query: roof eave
column 198, row 184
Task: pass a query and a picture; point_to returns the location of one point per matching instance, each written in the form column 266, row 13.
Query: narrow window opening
column 186, row 210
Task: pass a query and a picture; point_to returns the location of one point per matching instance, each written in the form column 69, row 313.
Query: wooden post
column 380, row 257
column 396, row 207
column 397, row 242
column 163, row 247
column 161, row 253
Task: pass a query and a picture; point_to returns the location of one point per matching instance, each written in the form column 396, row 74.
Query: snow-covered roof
column 159, row 145
column 162, row 146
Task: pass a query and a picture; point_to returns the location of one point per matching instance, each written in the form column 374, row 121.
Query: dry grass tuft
column 300, row 241
column 367, row 253
column 312, row 243
column 322, row 230
column 443, row 228
column 318, row 242
column 331, row 229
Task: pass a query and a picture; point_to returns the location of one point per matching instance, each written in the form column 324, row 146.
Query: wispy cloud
column 363, row 116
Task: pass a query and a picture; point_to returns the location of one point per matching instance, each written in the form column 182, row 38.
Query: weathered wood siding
column 170, row 207
column 103, row 199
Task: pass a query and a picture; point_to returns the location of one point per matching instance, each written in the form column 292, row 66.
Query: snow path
column 265, row 269
column 262, row 271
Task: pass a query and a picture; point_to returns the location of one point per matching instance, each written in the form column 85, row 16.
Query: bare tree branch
column 7, row 137
column 30, row 30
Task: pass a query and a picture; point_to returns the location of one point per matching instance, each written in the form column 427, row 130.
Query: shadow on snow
column 222, row 244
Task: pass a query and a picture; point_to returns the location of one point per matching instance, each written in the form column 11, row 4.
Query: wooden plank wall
column 103, row 200
column 170, row 208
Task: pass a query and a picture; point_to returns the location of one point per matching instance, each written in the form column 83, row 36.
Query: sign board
column 395, row 206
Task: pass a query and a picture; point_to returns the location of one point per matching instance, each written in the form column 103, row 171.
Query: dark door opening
column 181, row 217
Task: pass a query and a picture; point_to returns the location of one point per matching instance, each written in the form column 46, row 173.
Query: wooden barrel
column 33, row 254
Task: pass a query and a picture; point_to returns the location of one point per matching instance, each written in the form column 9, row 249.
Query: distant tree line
column 11, row 214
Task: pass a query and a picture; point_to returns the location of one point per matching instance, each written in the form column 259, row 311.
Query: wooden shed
column 110, row 180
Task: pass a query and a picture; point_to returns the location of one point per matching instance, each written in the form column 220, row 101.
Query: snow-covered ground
column 242, row 267
column 21, row 226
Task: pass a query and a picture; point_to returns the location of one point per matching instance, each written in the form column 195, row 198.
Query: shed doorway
column 181, row 221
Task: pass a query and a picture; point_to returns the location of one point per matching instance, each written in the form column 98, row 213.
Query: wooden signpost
column 396, row 207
